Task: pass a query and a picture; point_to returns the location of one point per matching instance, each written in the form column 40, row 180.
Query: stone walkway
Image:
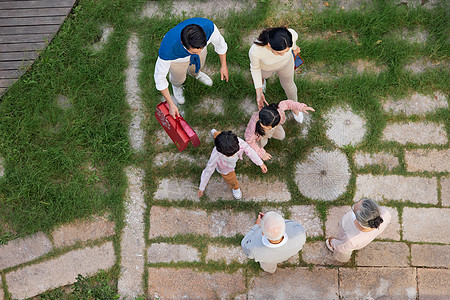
column 410, row 260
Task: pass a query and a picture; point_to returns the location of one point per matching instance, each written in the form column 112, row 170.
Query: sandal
column 327, row 242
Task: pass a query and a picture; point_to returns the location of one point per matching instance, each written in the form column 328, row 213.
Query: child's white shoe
column 237, row 194
column 203, row 78
column 298, row 118
column 213, row 131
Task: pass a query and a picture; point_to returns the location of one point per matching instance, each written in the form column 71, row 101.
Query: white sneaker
column 298, row 118
column 237, row 194
column 178, row 94
column 213, row 131
column 203, row 78
column 264, row 86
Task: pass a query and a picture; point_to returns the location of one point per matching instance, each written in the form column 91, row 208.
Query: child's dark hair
column 193, row 36
column 268, row 115
column 375, row 223
column 227, row 143
column 279, row 38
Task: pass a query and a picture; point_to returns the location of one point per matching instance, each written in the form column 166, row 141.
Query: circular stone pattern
column 324, row 175
column 345, row 128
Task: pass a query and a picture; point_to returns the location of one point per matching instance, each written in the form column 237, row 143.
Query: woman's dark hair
column 268, row 115
column 375, row 223
column 227, row 143
column 193, row 36
column 279, row 38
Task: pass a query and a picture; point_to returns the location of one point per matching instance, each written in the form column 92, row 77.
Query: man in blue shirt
column 184, row 49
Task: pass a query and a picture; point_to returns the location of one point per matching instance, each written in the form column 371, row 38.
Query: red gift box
column 178, row 129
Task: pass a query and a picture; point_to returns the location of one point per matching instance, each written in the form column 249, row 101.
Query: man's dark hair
column 227, row 143
column 193, row 36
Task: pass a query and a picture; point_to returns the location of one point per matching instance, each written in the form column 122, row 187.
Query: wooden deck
column 26, row 27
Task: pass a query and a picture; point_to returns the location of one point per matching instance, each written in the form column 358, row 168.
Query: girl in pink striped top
column 266, row 124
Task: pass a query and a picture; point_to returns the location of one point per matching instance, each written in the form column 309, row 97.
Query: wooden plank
column 20, row 47
column 36, row 4
column 15, row 64
column 35, row 12
column 32, row 21
column 24, row 38
column 2, row 90
column 7, row 56
column 28, row 29
column 11, row 74
column 4, row 83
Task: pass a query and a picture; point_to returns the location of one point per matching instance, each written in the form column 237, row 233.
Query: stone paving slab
column 295, row 283
column 430, row 255
column 1, row 293
column 107, row 30
column 308, row 217
column 396, row 187
column 248, row 105
column 414, row 36
column 162, row 139
column 419, row 65
column 344, row 126
column 433, row 284
column 416, row 104
column 226, row 253
column 172, row 221
column 166, row 253
column 132, row 245
column 273, row 191
column 416, row 133
column 293, row 260
column 22, row 250
column 166, row 158
column 167, row 283
column 211, row 106
column 384, row 159
column 63, row 270
column 317, row 253
column 228, row 224
column 426, row 225
column 392, row 231
column 377, row 283
column 432, row 160
column 176, row 190
column 83, row 230
column 186, row 8
column 383, row 254
column 445, row 191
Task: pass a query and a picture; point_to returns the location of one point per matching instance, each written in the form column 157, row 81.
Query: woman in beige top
column 274, row 52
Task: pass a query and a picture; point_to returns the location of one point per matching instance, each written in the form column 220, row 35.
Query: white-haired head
column 273, row 226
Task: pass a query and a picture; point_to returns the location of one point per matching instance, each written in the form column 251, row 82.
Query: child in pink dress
column 266, row 124
column 228, row 150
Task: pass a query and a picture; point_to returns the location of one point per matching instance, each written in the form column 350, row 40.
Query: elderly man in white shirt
column 182, row 50
column 273, row 240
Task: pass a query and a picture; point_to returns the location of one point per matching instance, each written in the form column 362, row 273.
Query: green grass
column 62, row 165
